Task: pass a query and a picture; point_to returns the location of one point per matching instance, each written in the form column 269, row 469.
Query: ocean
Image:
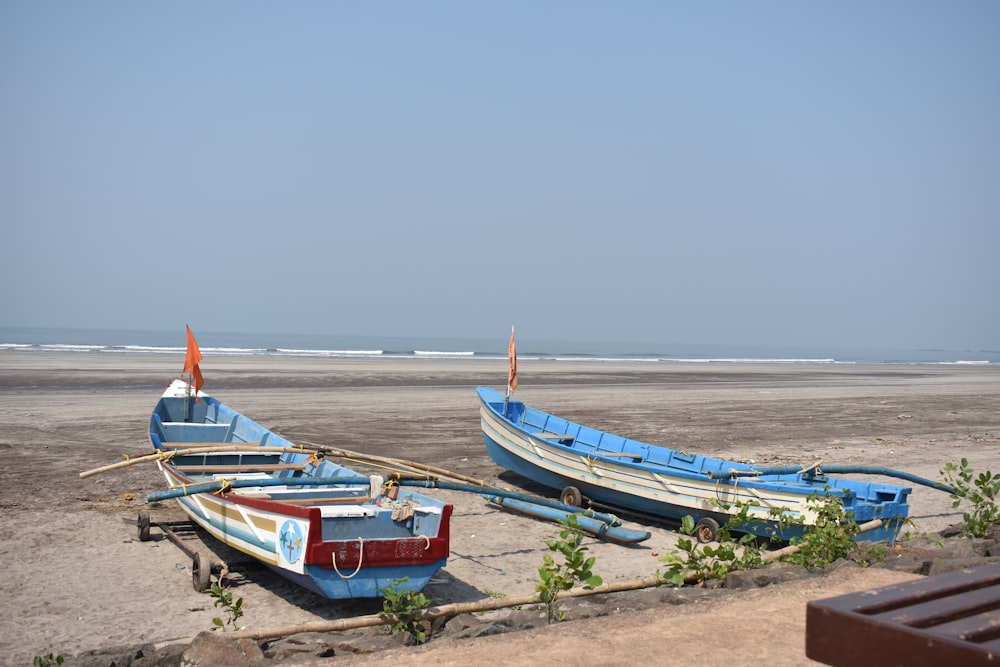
column 110, row 341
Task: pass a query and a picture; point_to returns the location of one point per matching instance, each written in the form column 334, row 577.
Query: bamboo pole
column 492, row 604
column 348, row 454
column 234, row 447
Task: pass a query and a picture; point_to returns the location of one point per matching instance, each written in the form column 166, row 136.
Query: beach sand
column 78, row 578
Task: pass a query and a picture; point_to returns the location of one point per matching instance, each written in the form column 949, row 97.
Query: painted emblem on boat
column 291, row 541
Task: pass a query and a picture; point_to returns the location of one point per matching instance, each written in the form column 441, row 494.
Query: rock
column 166, row 656
column 303, row 644
column 942, row 565
column 119, row 656
column 213, row 649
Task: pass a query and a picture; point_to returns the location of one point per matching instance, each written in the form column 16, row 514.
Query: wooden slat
column 208, row 469
column 196, row 445
column 945, row 619
column 336, row 500
column 333, row 500
column 626, row 455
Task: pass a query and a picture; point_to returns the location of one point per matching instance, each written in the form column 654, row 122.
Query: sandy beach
column 77, row 577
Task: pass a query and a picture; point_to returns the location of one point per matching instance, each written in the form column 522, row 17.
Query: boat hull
column 667, row 483
column 339, row 540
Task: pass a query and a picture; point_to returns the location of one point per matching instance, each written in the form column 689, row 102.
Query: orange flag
column 512, row 374
column 191, row 361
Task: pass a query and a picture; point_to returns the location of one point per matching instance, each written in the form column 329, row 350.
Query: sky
column 768, row 173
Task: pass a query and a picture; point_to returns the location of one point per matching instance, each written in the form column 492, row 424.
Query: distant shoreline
column 214, row 344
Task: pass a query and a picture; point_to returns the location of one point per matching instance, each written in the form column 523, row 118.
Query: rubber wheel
column 142, row 523
column 201, row 572
column 706, row 529
column 571, row 496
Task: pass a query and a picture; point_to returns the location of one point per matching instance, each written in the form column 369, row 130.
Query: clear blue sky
column 780, row 173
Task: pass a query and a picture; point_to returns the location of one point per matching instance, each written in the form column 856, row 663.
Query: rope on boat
column 225, row 487
column 361, row 558
column 808, row 468
column 427, row 540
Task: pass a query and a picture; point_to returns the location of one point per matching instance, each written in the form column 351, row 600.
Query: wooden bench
column 945, row 619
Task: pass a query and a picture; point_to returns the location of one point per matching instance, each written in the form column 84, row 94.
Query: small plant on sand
column 48, row 659
column 701, row 563
column 576, row 567
column 829, row 537
column 233, row 609
column 980, row 491
column 401, row 610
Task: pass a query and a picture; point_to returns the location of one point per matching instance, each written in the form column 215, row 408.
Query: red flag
column 191, row 361
column 512, row 374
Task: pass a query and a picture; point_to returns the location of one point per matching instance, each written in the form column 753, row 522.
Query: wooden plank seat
column 555, row 436
column 624, row 455
column 945, row 619
column 196, row 445
column 210, row 468
column 334, row 500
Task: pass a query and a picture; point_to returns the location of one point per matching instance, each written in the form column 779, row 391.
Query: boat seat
column 242, row 467
column 622, row 455
column 332, row 500
column 555, row 436
column 195, row 445
column 345, row 511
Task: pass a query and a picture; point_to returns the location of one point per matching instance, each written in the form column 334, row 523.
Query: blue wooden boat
column 582, row 462
column 287, row 507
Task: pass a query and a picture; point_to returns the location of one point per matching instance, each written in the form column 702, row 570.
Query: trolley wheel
column 201, row 571
column 571, row 496
column 706, row 529
column 142, row 523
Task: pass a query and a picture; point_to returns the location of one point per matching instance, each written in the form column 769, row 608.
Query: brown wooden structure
column 946, row 619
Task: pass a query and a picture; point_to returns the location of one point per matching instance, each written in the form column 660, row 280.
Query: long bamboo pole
column 492, row 604
column 348, row 454
column 148, row 458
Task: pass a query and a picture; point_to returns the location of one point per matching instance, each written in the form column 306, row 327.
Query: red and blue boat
column 311, row 520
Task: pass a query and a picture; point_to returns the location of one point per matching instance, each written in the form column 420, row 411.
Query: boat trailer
column 201, row 562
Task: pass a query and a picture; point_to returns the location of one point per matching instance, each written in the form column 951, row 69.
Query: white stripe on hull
column 692, row 494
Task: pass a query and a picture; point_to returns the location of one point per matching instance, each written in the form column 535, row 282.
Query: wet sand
column 78, row 578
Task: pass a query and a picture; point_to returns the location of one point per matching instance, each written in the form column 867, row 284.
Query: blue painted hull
column 340, row 540
column 663, row 482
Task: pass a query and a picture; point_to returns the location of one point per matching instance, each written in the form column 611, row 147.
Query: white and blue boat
column 584, row 463
column 317, row 523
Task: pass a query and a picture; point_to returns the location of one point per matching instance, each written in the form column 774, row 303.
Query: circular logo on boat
column 291, row 541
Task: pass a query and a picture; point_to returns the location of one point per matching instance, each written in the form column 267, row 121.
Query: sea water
column 111, row 341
